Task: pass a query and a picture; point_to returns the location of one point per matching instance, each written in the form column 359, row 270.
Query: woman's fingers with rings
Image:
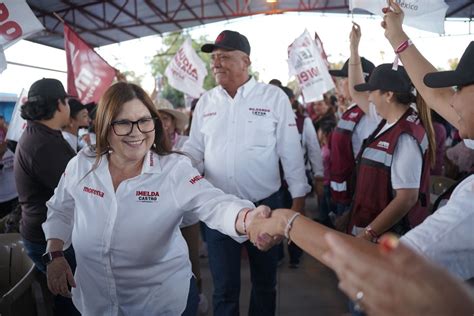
column 358, row 301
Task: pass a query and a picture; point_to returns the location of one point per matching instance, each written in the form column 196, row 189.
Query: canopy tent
column 103, row 22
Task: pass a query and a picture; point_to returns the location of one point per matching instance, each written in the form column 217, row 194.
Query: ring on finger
column 358, row 301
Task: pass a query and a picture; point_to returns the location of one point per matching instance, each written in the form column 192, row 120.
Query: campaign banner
column 17, row 21
column 17, row 123
column 88, row 74
column 305, row 61
column 186, row 71
column 427, row 15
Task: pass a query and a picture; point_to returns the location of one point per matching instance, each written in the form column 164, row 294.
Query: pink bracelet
column 401, row 48
column 369, row 230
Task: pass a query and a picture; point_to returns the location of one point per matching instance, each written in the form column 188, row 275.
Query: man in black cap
column 79, row 118
column 241, row 130
column 346, row 140
column 40, row 159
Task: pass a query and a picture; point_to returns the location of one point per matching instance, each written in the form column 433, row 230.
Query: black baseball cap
column 47, row 88
column 229, row 40
column 367, row 68
column 76, row 106
column 289, row 93
column 463, row 75
column 385, row 78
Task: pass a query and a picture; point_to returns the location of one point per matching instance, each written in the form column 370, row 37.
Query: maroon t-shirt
column 41, row 157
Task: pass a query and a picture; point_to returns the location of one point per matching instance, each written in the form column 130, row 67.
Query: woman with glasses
column 120, row 203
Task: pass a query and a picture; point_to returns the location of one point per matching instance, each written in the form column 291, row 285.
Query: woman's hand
column 392, row 21
column 265, row 232
column 355, row 36
column 391, row 279
column 59, row 275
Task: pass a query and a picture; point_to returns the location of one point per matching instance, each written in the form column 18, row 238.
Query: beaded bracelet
column 288, row 226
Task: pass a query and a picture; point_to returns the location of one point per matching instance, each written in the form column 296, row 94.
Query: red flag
column 88, row 75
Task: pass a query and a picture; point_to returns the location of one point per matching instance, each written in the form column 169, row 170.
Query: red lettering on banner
column 307, row 74
column 183, row 62
column 196, row 179
column 93, row 191
column 10, row 30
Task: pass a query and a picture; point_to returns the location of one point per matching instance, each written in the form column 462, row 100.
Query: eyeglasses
column 125, row 127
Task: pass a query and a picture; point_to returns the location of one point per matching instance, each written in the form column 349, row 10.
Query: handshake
column 264, row 227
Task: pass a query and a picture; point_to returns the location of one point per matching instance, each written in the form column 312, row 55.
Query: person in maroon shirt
column 40, row 159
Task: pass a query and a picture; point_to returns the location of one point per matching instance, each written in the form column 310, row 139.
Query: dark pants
column 294, row 251
column 62, row 305
column 224, row 262
column 193, row 299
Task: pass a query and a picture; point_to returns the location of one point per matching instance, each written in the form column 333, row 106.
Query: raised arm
column 356, row 75
column 417, row 65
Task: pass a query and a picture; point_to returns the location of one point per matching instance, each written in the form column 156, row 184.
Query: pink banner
column 88, row 75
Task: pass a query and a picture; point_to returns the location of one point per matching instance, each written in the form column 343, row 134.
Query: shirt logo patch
column 209, row 114
column 259, row 111
column 196, row 179
column 413, row 118
column 383, row 144
column 147, row 196
column 93, row 191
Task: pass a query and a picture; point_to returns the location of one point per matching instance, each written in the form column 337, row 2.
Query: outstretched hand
column 266, row 231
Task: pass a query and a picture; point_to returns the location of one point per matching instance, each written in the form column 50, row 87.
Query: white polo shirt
column 131, row 256
column 242, row 139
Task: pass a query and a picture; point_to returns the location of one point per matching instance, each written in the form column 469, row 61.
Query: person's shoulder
column 175, row 160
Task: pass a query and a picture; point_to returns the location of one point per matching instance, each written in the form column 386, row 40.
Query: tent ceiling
column 101, row 22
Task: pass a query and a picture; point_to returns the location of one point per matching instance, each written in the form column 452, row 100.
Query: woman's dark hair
column 39, row 108
column 408, row 98
column 327, row 126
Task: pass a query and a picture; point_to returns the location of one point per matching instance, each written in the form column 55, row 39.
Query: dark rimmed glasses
column 125, row 127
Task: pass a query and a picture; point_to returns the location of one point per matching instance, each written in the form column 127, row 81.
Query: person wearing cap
column 346, row 141
column 393, row 167
column 41, row 157
column 446, row 236
column 79, row 117
column 174, row 122
column 241, row 130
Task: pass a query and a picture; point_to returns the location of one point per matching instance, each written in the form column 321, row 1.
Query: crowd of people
column 113, row 216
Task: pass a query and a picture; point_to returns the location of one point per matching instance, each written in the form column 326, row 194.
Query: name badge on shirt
column 147, row 196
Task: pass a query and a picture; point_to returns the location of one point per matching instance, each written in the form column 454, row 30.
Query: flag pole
column 58, row 17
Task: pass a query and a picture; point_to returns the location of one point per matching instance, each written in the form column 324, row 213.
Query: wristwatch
column 48, row 257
